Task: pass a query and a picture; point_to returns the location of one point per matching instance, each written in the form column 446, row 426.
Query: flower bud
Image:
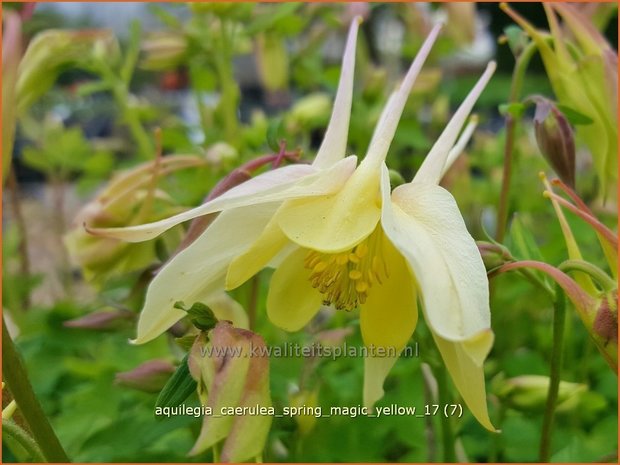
column 461, row 22
column 493, row 255
column 130, row 196
column 221, row 155
column 150, row 376
column 109, row 319
column 231, row 368
column 309, row 113
column 606, row 320
column 309, row 399
column 555, row 139
column 272, row 60
column 163, row 50
column 528, row 393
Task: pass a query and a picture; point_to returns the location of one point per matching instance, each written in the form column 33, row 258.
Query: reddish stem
column 585, row 304
column 237, row 176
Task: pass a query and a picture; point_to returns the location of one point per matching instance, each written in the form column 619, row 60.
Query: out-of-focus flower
column 231, row 368
column 221, row 155
column 309, row 112
column 11, row 55
column 150, row 376
column 357, row 245
column 48, row 53
column 130, row 197
column 529, row 393
column 305, row 400
column 163, row 50
column 272, row 61
column 461, row 24
column 583, row 71
column 103, row 320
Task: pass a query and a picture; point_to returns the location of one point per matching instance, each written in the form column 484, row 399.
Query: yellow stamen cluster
column 345, row 278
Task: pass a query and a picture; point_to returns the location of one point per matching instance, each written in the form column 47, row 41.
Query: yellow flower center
column 345, row 278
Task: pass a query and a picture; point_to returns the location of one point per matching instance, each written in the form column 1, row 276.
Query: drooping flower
column 353, row 244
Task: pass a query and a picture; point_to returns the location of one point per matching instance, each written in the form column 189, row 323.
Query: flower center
column 345, row 278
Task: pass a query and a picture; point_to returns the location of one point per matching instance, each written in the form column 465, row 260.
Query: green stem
column 447, row 432
column 20, row 223
column 428, row 379
column 17, row 380
column 559, row 318
column 228, row 87
column 497, row 444
column 216, row 453
column 121, row 94
column 253, row 301
column 12, row 431
column 511, row 126
column 602, row 278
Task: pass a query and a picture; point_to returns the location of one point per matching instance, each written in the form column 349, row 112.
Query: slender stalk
column 16, row 378
column 447, row 432
column 20, row 222
column 129, row 111
column 253, row 301
column 229, row 98
column 497, row 444
column 14, row 432
column 602, row 278
column 58, row 186
column 429, row 398
column 216, row 453
column 559, row 318
column 511, row 127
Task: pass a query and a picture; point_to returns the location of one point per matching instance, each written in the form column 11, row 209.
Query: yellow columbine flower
column 342, row 238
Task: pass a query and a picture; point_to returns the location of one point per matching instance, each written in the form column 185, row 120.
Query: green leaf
column 575, row 117
column 515, row 109
column 178, row 388
column 517, row 39
column 274, row 134
column 522, row 241
column 270, row 18
column 200, row 315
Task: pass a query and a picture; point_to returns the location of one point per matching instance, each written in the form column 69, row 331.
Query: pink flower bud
column 151, row 376
column 555, row 139
column 104, row 320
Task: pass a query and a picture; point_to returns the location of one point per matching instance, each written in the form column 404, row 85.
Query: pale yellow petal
column 388, row 319
column 459, row 147
column 424, row 223
column 386, row 128
column 284, row 183
column 292, row 301
column 199, row 270
column 390, row 313
column 376, row 370
column 226, row 308
column 271, row 241
column 334, row 145
column 432, row 168
column 336, row 222
column 467, row 375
